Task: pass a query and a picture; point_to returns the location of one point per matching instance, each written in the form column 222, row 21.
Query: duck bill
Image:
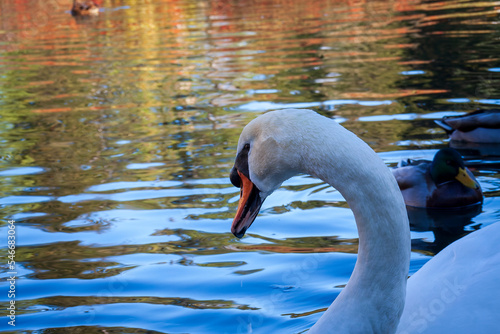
column 248, row 207
column 464, row 178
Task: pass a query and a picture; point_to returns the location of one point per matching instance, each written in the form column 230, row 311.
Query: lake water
column 117, row 135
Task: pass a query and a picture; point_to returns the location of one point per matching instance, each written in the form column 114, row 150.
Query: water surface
column 117, row 135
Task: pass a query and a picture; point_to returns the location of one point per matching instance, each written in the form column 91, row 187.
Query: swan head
column 448, row 165
column 268, row 153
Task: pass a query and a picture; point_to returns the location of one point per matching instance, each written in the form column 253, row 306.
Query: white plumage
column 455, row 292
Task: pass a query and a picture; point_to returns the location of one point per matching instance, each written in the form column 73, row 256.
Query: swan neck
column 373, row 299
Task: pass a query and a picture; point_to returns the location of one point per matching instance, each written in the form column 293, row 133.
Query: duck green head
column 449, row 166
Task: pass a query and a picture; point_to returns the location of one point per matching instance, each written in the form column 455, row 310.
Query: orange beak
column 248, row 206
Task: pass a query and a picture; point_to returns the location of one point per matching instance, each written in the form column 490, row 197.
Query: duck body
column 444, row 182
column 280, row 144
column 482, row 126
column 84, row 8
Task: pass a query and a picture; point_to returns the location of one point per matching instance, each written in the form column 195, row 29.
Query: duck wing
column 411, row 173
column 489, row 119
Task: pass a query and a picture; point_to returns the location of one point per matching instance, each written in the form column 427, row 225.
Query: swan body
column 457, row 291
column 482, row 126
column 279, row 144
column 84, row 8
column 443, row 183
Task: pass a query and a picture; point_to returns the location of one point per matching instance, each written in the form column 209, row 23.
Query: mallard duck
column 443, row 183
column 84, row 8
column 455, row 292
column 482, row 126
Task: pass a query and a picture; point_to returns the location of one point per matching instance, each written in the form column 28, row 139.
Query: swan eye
column 246, row 147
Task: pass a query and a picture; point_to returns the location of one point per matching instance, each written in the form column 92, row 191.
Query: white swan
column 455, row 292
